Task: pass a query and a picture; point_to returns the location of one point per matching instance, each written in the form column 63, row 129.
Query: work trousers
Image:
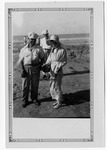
column 31, row 79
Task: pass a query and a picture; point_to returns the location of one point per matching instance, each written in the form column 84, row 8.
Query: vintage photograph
column 55, row 69
column 51, row 63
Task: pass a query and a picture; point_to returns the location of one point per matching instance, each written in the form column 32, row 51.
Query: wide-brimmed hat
column 32, row 35
column 55, row 38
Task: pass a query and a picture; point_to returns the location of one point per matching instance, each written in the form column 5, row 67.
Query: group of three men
column 48, row 56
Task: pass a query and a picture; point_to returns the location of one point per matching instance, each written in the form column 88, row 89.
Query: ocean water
column 63, row 37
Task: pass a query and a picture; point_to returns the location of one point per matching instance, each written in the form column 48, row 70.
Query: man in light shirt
column 32, row 57
column 46, row 47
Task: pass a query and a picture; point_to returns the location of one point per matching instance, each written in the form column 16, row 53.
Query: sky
column 57, row 22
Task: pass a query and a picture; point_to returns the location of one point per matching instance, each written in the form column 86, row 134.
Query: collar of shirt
column 32, row 48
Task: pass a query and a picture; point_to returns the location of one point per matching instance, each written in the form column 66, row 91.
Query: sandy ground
column 75, row 87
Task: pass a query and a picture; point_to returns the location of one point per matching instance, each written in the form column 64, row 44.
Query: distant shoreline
column 76, row 35
column 19, row 38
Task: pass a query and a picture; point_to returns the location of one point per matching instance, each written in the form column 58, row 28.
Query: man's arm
column 62, row 60
column 49, row 59
column 20, row 60
column 41, row 55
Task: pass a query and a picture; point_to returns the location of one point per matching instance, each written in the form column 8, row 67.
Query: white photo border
column 10, row 74
column 97, row 78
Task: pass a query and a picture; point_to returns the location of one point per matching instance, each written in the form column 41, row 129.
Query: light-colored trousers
column 55, row 87
column 32, row 79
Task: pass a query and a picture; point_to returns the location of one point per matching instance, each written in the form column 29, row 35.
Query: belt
column 30, row 66
column 47, row 48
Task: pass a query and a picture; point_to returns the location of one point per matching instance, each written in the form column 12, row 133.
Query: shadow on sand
column 68, row 74
column 76, row 98
column 76, row 72
column 72, row 98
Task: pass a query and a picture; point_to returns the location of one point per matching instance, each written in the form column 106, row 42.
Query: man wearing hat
column 32, row 57
column 56, row 60
column 46, row 47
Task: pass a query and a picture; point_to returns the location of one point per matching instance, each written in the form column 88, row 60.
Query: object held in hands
column 46, row 68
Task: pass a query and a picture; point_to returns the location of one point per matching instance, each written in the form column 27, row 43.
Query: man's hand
column 23, row 74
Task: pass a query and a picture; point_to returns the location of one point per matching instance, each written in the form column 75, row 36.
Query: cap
column 45, row 32
column 32, row 35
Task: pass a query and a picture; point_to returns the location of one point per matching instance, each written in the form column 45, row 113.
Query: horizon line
column 56, row 34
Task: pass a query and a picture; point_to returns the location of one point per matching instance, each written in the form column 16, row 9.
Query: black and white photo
column 53, row 51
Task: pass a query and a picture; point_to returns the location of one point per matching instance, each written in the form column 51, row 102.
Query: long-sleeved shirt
column 57, row 59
